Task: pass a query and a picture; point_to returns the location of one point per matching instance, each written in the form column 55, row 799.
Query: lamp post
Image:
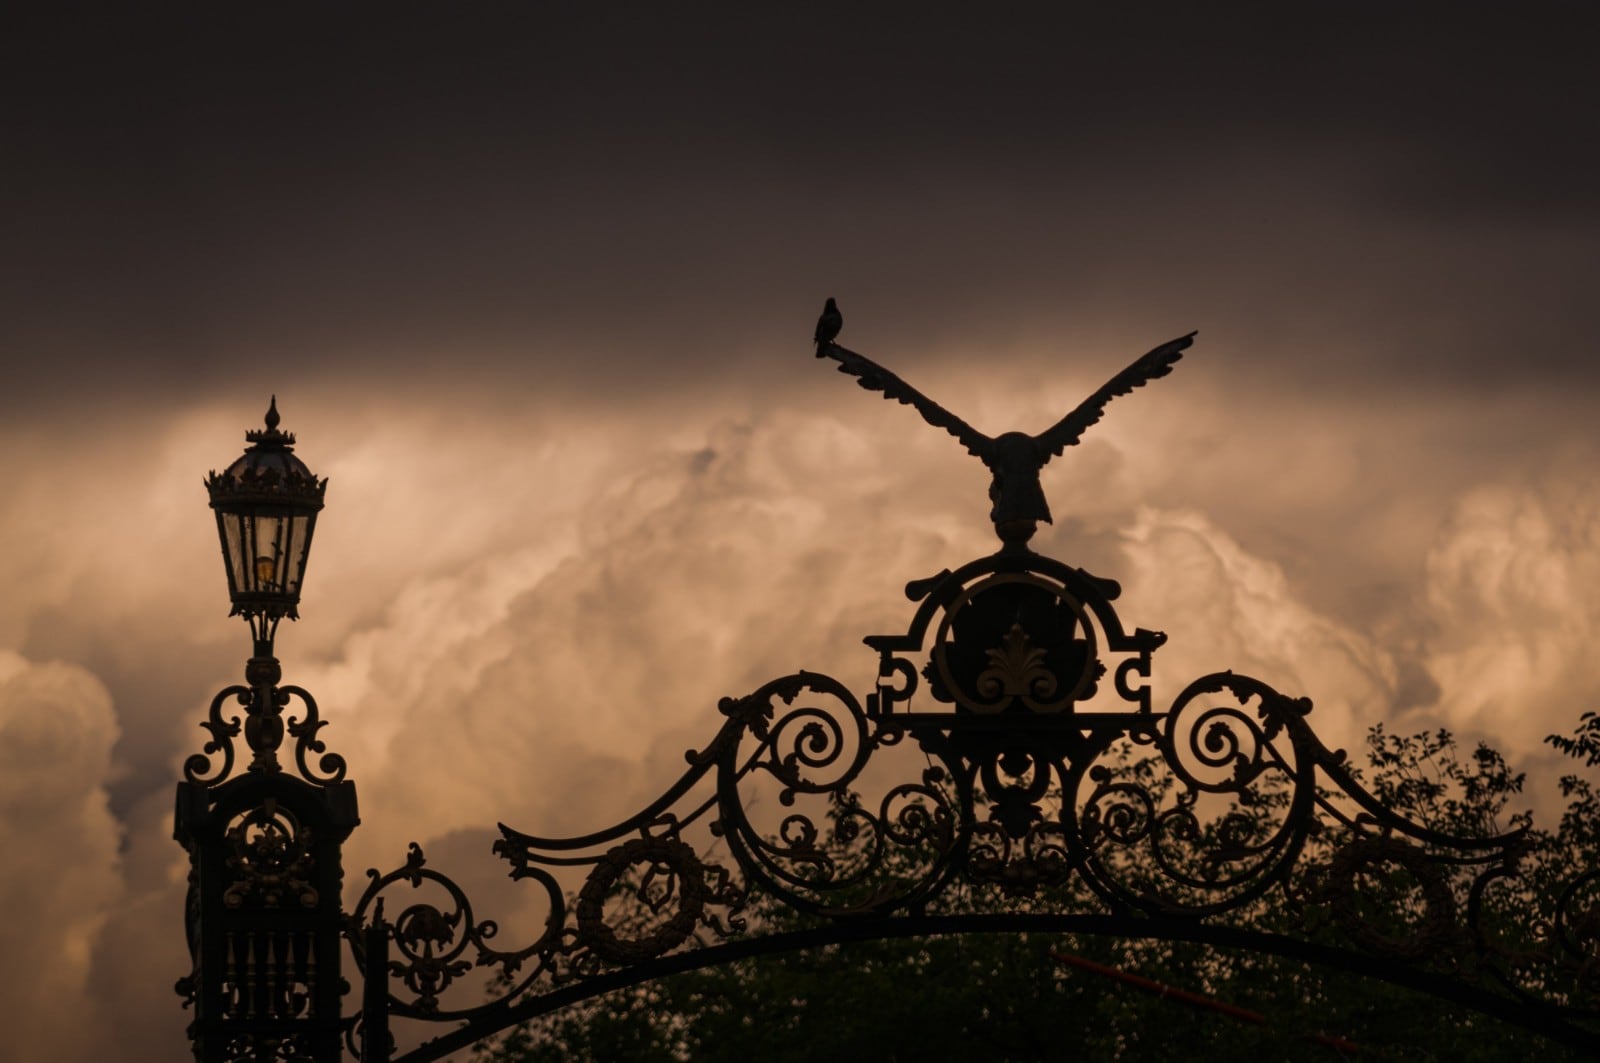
column 263, row 914
column 266, row 504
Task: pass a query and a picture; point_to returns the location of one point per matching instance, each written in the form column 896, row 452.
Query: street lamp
column 266, row 504
column 264, row 918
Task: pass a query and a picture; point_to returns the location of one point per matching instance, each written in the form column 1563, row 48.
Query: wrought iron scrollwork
column 257, row 1049
column 438, row 942
column 671, row 884
column 330, row 767
column 263, row 918
column 197, row 768
column 263, row 725
column 992, row 769
column 1575, row 932
column 1224, row 818
column 825, row 854
column 271, row 857
column 1392, row 898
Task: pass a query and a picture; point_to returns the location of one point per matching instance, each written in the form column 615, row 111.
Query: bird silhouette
column 1014, row 459
column 828, row 326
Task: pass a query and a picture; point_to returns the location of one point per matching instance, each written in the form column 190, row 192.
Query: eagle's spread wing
column 1070, row 429
column 874, row 377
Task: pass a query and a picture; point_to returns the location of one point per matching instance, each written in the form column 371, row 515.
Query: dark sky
column 640, row 194
column 536, row 284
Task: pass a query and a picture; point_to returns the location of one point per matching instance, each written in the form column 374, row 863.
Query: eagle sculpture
column 1014, row 458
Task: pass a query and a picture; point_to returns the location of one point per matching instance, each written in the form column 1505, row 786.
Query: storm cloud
column 536, row 295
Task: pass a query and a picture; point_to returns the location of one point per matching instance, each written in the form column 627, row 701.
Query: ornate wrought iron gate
column 1006, row 771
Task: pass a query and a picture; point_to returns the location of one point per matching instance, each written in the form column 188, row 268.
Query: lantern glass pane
column 295, row 556
column 267, row 553
column 233, row 535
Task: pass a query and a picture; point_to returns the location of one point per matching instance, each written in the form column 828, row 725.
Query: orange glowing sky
column 538, row 298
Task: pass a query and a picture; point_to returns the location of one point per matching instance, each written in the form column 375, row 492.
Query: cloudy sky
column 536, row 293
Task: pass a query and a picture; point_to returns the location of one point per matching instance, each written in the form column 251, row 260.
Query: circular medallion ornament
column 1014, row 642
column 667, row 876
column 1391, row 898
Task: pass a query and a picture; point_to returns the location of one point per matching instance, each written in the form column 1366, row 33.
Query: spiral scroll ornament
column 223, row 729
column 439, row 940
column 264, row 728
column 1217, row 816
column 829, row 854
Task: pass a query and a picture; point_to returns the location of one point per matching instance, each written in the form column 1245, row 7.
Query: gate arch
column 1043, row 781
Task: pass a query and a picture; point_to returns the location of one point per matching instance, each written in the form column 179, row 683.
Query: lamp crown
column 268, row 470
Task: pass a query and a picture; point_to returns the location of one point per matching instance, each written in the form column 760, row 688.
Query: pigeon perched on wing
column 828, row 326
